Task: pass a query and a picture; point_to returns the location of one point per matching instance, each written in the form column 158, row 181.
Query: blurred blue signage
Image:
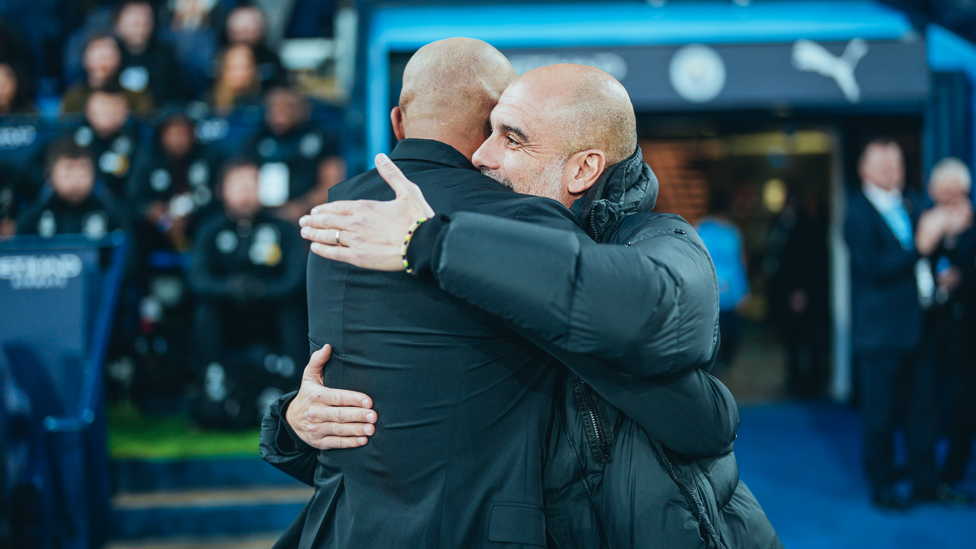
column 803, row 73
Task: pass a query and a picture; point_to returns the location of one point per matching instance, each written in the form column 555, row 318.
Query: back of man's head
column 449, row 89
column 588, row 109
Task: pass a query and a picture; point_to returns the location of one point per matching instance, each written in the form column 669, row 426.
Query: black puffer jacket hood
column 624, row 188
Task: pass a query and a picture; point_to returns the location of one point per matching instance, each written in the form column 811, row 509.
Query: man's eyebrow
column 518, row 132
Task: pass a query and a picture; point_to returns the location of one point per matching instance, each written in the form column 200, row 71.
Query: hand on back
column 328, row 418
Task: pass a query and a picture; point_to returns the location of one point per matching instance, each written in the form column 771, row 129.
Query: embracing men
column 482, row 438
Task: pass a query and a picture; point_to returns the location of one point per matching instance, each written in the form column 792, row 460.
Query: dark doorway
column 782, row 178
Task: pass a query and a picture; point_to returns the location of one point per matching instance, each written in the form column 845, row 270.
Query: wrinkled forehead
column 530, row 106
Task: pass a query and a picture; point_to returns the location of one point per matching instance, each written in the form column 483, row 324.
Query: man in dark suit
column 886, row 289
column 465, row 401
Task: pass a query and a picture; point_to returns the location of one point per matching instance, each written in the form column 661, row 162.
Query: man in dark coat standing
column 465, row 400
column 886, row 288
column 625, row 322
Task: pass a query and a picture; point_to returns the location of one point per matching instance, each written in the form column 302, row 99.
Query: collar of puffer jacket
column 624, row 188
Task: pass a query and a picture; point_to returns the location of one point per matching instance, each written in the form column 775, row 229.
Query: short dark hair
column 64, row 147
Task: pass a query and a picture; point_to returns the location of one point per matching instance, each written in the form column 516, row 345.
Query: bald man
column 629, row 320
column 463, row 401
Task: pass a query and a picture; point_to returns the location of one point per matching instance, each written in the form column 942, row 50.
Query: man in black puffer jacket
column 625, row 319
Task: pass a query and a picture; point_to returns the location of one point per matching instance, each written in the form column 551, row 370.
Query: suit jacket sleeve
column 282, row 448
column 636, row 321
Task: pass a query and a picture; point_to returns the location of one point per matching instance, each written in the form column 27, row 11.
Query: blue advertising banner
column 803, row 73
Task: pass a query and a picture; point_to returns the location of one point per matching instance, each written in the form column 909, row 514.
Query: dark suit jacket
column 886, row 316
column 463, row 402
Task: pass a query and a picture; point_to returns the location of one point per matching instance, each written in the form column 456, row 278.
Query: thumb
column 316, row 365
column 403, row 187
column 393, row 176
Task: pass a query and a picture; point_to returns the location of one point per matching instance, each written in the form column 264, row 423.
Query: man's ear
column 585, row 168
column 396, row 117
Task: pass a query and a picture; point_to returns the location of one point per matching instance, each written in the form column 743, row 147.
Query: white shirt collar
column 881, row 199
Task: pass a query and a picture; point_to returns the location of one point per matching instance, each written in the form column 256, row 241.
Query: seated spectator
column 171, row 183
column 248, row 275
column 108, row 134
column 192, row 26
column 74, row 206
column 246, row 25
column 102, row 61
column 237, row 83
column 147, row 63
column 300, row 162
column 16, row 96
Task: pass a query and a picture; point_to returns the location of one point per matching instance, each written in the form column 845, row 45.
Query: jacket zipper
column 592, row 413
column 699, row 510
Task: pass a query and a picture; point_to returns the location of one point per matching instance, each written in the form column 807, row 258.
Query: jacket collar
column 427, row 150
column 624, row 188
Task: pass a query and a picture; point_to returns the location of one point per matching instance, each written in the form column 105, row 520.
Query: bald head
column 587, row 108
column 556, row 129
column 449, row 89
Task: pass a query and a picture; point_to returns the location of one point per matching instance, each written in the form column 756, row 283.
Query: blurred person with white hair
column 947, row 234
column 890, row 286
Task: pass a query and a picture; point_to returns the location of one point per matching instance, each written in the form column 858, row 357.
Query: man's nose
column 483, row 157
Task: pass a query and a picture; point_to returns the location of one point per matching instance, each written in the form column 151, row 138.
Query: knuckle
column 335, row 415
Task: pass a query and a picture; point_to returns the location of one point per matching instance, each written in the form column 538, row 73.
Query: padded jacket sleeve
column 282, row 448
column 646, row 308
column 636, row 320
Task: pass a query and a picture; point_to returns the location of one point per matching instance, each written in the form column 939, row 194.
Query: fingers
column 338, row 443
column 341, row 421
column 326, row 396
column 332, row 220
column 339, row 207
column 335, row 253
column 325, row 236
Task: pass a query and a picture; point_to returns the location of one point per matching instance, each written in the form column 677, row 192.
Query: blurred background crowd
column 178, row 123
column 822, row 149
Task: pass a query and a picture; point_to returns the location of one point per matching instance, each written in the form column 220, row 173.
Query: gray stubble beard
column 550, row 178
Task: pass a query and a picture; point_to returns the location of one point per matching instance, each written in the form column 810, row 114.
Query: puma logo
column 812, row 57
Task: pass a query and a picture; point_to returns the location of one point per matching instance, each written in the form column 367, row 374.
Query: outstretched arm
column 631, row 319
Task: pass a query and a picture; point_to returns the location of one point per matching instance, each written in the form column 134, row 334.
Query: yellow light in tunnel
column 774, row 195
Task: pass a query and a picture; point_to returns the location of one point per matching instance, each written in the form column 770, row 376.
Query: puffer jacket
column 635, row 457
